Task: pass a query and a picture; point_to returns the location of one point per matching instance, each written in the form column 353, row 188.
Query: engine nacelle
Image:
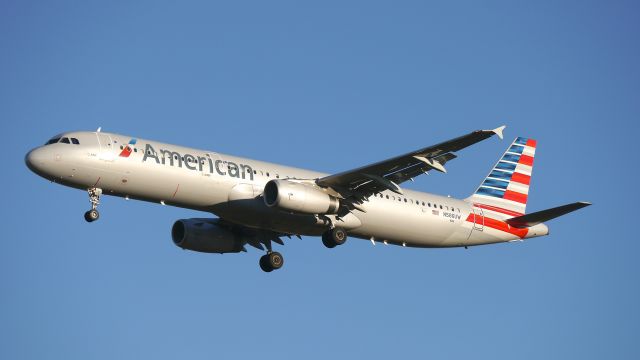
column 205, row 235
column 301, row 198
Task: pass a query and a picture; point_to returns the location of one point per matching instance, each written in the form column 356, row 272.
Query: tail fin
column 506, row 188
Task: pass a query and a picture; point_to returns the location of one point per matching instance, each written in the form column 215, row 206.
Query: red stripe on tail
column 521, row 178
column 526, row 160
column 515, row 196
column 498, row 209
column 499, row 225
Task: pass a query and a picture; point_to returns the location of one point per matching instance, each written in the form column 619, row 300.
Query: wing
column 365, row 181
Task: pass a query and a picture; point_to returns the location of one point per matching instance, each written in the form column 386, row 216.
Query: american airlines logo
column 197, row 163
column 129, row 148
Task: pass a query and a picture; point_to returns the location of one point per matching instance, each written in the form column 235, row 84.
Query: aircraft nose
column 36, row 160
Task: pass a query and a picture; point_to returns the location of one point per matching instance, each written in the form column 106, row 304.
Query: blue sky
column 328, row 86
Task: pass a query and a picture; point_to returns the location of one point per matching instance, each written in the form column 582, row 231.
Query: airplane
column 259, row 203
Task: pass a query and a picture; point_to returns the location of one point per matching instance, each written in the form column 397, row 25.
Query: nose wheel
column 94, row 197
column 92, row 215
column 273, row 260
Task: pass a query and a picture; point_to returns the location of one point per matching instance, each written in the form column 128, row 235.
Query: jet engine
column 298, row 197
column 205, row 235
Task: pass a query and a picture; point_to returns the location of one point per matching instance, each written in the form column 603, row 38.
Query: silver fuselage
column 231, row 187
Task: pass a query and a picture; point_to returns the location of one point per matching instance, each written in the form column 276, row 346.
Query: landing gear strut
column 273, row 260
column 94, row 197
column 334, row 237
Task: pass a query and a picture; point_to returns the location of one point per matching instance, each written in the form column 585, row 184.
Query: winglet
column 498, row 131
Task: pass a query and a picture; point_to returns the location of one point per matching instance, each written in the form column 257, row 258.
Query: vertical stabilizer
column 506, row 189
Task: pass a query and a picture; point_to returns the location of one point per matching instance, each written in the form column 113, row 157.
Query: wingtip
column 584, row 203
column 498, row 131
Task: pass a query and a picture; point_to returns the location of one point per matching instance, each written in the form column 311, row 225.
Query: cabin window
column 440, row 207
column 75, row 141
column 405, row 199
column 65, row 140
column 121, row 147
column 135, row 149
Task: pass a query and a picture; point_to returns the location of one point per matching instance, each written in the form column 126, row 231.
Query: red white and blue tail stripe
column 505, row 190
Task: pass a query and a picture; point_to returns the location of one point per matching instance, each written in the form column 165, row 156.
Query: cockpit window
column 65, row 140
column 75, row 141
column 53, row 141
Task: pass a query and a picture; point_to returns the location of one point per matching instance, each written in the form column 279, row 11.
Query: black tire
column 275, row 260
column 91, row 215
column 264, row 264
column 327, row 240
column 338, row 235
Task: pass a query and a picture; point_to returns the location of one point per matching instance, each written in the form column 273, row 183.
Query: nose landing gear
column 94, row 197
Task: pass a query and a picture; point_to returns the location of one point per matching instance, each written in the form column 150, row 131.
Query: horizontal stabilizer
column 538, row 217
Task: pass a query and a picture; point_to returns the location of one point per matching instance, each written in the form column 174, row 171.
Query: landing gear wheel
column 264, row 264
column 338, row 235
column 271, row 261
column 275, row 260
column 91, row 215
column 327, row 241
column 334, row 237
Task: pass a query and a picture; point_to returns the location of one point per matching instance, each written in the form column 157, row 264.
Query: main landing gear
column 334, row 237
column 273, row 260
column 94, row 197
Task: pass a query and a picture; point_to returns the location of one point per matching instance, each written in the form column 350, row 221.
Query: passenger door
column 105, row 144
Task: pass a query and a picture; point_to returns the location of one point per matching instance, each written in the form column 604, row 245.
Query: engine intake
column 205, row 235
column 301, row 198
